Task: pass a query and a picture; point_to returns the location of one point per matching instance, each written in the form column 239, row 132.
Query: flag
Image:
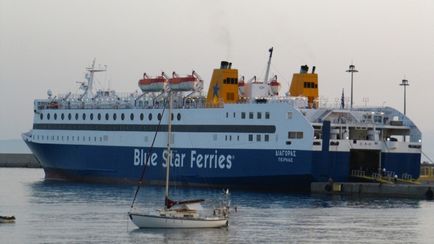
column 342, row 100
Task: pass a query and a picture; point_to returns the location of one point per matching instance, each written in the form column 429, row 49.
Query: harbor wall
column 422, row 191
column 22, row 160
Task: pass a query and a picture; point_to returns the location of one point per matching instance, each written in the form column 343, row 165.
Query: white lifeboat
column 274, row 86
column 183, row 83
column 152, row 84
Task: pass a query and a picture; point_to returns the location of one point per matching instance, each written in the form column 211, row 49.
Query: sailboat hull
column 154, row 221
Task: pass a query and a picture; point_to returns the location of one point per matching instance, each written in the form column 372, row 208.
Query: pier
column 19, row 160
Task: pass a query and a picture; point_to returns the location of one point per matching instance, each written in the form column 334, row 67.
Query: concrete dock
column 21, row 160
column 420, row 191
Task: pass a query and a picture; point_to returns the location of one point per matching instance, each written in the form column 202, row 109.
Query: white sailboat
column 179, row 214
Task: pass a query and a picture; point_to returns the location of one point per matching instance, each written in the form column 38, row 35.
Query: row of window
column 259, row 137
column 230, row 81
column 70, row 138
column 310, row 85
column 107, row 116
column 295, row 134
column 252, row 115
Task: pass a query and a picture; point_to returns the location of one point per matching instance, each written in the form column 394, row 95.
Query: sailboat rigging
column 177, row 214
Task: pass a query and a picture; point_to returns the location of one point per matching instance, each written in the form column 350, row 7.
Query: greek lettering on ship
column 287, row 156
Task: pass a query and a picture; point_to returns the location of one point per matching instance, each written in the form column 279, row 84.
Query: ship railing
column 358, row 173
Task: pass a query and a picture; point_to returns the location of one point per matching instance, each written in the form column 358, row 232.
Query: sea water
column 67, row 212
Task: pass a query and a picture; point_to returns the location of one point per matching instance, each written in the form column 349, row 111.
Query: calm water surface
column 63, row 212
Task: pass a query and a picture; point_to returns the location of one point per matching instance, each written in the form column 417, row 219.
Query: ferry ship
column 242, row 134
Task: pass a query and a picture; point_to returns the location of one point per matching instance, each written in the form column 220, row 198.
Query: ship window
column 259, row 115
column 227, row 114
column 88, row 138
column 230, row 137
column 114, row 116
column 243, row 115
column 67, row 138
column 295, row 134
column 55, row 116
column 62, row 116
column 62, row 138
column 76, row 116
column 238, row 138
column 107, row 116
column 99, row 116
column 150, row 116
column 48, row 116
column 41, row 116
column 72, row 137
column 57, row 138
column 316, row 85
column 159, row 116
column 226, row 137
column 84, row 138
column 78, row 138
column 250, row 137
column 250, row 115
column 171, row 116
column 258, row 137
column 266, row 138
column 94, row 138
column 122, row 116
column 132, row 116
column 100, row 139
column 289, row 115
column 178, row 116
column 267, row 115
column 69, row 116
column 142, row 116
column 91, row 116
column 234, row 114
column 84, row 116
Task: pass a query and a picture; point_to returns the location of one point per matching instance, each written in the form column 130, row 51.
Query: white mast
column 169, row 153
column 268, row 65
column 89, row 77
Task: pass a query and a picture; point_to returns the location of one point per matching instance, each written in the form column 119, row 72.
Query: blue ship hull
column 246, row 169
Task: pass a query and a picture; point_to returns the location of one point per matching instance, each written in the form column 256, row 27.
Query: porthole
column 41, row 116
column 150, row 116
column 76, row 116
column 178, row 116
column 91, row 116
column 171, row 116
column 62, row 116
column 114, row 116
column 55, row 116
column 132, row 116
column 69, row 116
column 48, row 116
column 142, row 116
column 99, row 116
column 122, row 116
column 84, row 116
column 159, row 116
column 106, row 116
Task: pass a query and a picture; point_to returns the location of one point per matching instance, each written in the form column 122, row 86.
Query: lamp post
column 351, row 70
column 404, row 83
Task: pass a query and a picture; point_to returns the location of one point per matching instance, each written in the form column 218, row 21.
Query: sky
column 46, row 44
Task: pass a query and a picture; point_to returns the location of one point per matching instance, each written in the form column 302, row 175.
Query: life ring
column 429, row 194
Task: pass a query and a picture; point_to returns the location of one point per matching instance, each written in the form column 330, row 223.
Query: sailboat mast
column 169, row 153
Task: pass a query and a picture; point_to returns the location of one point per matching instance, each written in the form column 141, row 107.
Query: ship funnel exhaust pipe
column 313, row 70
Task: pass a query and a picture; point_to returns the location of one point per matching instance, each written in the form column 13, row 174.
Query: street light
column 404, row 83
column 351, row 70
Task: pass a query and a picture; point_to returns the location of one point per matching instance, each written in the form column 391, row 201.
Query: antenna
column 352, row 70
column 269, row 64
column 89, row 77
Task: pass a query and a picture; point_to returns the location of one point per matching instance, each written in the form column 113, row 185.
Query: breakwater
column 22, row 160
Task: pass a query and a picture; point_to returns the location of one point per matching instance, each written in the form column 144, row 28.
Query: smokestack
column 313, row 70
column 224, row 65
column 304, row 69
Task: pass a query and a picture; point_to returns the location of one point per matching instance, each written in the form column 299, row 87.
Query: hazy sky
column 46, row 44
